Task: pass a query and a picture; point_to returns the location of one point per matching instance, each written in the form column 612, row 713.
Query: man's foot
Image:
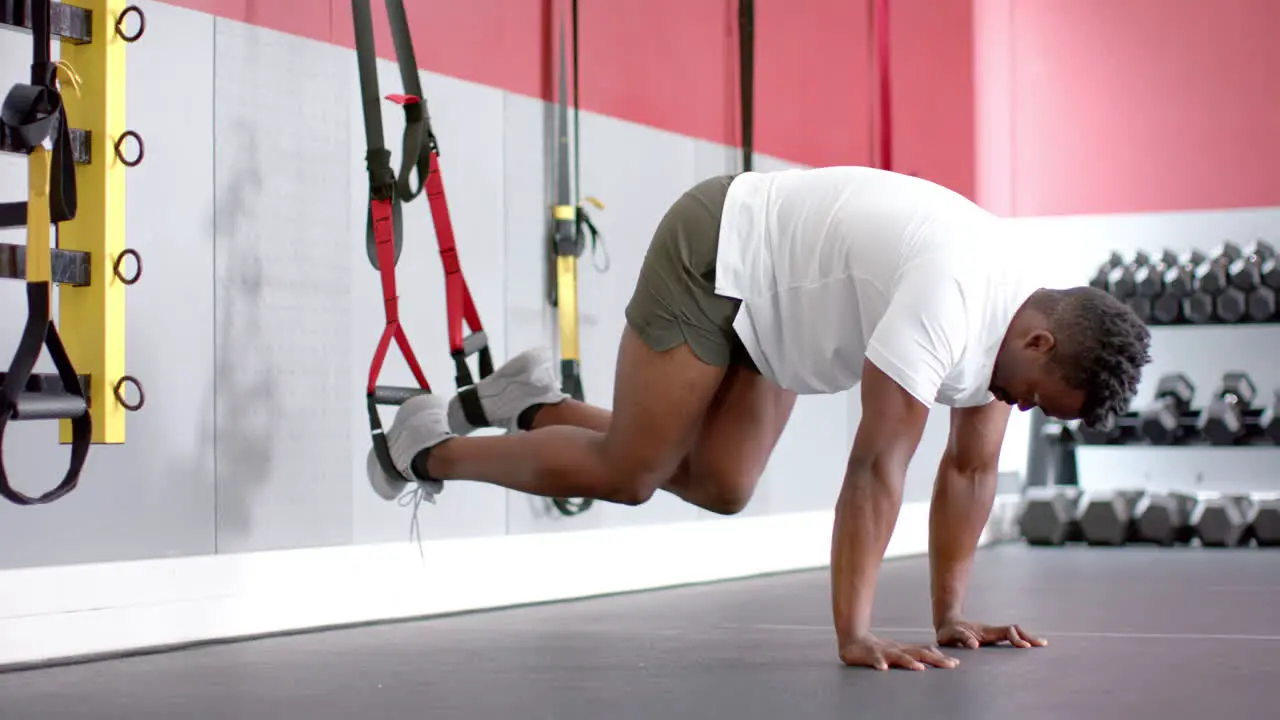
column 420, row 423
column 526, row 380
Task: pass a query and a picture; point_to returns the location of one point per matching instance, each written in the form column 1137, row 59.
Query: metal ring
column 571, row 506
column 142, row 150
column 142, row 23
column 142, row 396
column 137, row 259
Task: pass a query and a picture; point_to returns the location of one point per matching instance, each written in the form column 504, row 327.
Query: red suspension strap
column 387, row 190
column 880, row 35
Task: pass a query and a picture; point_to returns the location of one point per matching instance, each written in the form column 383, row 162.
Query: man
column 764, row 285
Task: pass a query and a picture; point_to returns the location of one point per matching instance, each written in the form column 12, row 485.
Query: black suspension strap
column 746, row 77
column 583, row 219
column 384, row 233
column 34, row 113
column 571, row 223
column 31, row 113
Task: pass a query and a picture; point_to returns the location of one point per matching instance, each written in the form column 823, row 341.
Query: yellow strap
column 68, row 74
column 567, row 305
column 39, row 246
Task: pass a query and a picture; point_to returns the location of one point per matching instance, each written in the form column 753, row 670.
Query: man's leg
column 738, row 434
column 743, row 425
column 660, row 399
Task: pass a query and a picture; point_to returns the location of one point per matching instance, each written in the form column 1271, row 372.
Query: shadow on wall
column 243, row 395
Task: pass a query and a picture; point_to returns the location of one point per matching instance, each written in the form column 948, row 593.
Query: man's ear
column 1040, row 341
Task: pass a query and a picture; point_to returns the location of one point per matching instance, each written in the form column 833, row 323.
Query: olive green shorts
column 675, row 300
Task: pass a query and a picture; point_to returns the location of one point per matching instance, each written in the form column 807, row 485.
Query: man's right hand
column 871, row 651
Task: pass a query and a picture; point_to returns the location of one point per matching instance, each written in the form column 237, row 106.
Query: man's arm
column 962, row 497
column 869, row 499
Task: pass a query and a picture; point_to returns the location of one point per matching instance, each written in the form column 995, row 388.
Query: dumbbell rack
column 1230, row 285
column 1192, row 465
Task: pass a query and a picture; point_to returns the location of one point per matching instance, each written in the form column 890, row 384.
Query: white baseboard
column 56, row 613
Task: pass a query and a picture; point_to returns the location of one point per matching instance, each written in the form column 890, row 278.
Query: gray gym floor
column 1134, row 633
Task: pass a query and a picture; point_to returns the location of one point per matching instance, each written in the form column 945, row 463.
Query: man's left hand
column 972, row 635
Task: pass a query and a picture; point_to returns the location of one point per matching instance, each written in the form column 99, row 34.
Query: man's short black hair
column 1102, row 346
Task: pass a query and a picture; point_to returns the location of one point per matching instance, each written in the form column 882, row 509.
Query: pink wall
column 993, row 105
column 1132, row 105
column 932, row 74
column 670, row 64
column 1032, row 107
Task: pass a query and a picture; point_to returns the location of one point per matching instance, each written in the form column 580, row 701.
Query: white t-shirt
column 834, row 265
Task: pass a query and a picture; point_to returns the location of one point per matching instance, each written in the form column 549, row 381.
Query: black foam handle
column 393, row 395
column 48, row 406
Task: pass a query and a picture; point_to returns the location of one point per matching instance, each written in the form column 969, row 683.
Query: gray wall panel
column 468, row 121
column 153, row 496
column 284, row 297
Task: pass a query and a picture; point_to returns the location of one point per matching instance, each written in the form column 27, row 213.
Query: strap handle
column 381, row 212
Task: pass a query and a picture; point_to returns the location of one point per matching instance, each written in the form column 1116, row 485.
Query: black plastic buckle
column 477, row 343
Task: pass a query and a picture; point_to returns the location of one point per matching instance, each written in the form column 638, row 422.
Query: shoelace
column 416, row 496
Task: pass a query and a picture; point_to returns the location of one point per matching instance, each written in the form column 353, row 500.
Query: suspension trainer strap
column 746, row 77
column 880, row 30
column 382, row 178
column 422, row 152
column 568, row 241
column 383, row 241
column 583, row 219
column 22, row 395
column 33, row 114
column 570, row 221
column 387, row 191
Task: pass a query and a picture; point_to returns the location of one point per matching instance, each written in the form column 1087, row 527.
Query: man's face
column 1024, row 378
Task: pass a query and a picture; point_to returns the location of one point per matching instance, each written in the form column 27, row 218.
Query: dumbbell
column 1177, row 282
column 1222, row 421
column 1245, row 272
column 1113, row 430
column 1099, row 279
column 1148, row 284
column 1106, row 516
column 1209, row 279
column 1164, row 518
column 1161, row 422
column 1223, row 521
column 1245, row 295
column 1262, row 302
column 1148, row 280
column 1120, row 279
column 1269, row 420
column 1266, row 522
column 1055, row 459
column 1048, row 515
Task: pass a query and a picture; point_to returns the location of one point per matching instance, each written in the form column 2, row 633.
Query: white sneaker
column 525, row 380
column 420, row 423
